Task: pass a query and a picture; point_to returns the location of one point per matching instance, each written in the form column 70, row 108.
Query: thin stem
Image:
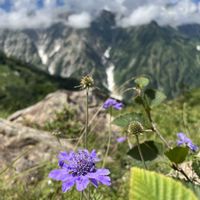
column 87, row 117
column 159, row 134
column 179, row 169
column 89, row 192
column 154, row 128
column 81, row 196
column 109, row 137
column 82, row 132
column 148, row 112
column 85, row 195
column 140, row 152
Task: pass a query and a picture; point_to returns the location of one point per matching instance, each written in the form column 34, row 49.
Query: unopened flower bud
column 135, row 128
column 87, row 82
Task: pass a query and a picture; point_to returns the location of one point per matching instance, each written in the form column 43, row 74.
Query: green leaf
column 142, row 81
column 146, row 185
column 150, row 151
column 124, row 120
column 177, row 154
column 154, row 97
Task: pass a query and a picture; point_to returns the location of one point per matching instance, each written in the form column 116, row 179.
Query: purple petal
column 181, row 136
column 67, row 185
column 94, row 156
column 94, row 182
column 61, row 163
column 102, row 172
column 121, row 139
column 179, row 143
column 60, row 175
column 109, row 103
column 193, row 147
column 118, row 106
column 63, row 156
column 82, row 183
column 104, row 180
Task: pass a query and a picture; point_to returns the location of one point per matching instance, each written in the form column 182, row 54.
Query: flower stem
column 140, row 152
column 154, row 129
column 87, row 117
column 109, row 138
column 81, row 196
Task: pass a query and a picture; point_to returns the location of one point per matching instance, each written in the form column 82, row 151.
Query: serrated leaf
column 142, row 81
column 150, row 150
column 124, row 120
column 177, row 154
column 146, row 185
column 154, row 97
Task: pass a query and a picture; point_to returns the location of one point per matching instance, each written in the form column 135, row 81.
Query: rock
column 30, row 146
column 45, row 110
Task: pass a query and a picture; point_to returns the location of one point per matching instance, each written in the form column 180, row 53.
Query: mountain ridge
column 168, row 55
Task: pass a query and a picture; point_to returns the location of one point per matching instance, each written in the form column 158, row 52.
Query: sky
column 19, row 14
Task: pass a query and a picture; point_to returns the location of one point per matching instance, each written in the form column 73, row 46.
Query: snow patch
column 51, row 69
column 198, row 47
column 107, row 53
column 111, row 82
column 43, row 55
column 55, row 50
column 110, row 74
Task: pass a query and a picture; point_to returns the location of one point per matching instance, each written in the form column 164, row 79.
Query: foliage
column 22, row 85
column 65, row 124
column 157, row 118
column 152, row 186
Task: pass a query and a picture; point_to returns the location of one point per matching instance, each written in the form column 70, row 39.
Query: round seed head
column 87, row 82
column 135, row 128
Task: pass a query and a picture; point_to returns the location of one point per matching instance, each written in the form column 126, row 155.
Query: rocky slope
column 170, row 56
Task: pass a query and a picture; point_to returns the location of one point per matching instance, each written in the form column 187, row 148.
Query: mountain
column 113, row 55
column 171, row 59
column 22, row 85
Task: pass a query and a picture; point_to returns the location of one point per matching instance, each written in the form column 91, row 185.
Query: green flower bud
column 135, row 128
column 87, row 82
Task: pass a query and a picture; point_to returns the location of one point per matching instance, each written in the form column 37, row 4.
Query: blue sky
column 16, row 13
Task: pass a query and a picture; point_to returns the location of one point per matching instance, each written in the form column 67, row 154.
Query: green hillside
column 169, row 57
column 22, row 85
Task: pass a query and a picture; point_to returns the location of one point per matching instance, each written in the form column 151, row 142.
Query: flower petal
column 63, row 156
column 58, row 174
column 67, row 185
column 94, row 182
column 102, row 172
column 121, row 139
column 104, row 180
column 82, row 183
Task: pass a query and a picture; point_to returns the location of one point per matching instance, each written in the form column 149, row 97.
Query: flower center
column 83, row 167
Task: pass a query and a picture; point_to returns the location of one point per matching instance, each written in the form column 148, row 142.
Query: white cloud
column 81, row 20
column 24, row 13
column 181, row 12
column 141, row 15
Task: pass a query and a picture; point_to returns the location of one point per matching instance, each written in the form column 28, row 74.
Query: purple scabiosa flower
column 79, row 168
column 184, row 140
column 121, row 139
column 112, row 103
